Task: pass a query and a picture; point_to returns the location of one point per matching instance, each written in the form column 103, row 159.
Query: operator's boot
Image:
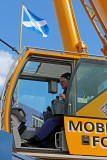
column 33, row 142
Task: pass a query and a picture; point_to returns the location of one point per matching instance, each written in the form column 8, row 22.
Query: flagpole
column 20, row 41
column 20, row 37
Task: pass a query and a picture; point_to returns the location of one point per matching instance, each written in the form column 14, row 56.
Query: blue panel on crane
column 5, row 145
column 16, row 156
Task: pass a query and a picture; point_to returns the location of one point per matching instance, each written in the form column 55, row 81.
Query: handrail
column 63, row 52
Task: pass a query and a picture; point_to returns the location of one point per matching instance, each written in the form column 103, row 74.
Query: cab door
column 85, row 118
column 87, row 91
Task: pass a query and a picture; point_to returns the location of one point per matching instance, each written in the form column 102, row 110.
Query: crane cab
column 83, row 132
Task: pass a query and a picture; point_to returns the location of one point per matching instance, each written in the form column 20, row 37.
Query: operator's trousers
column 49, row 126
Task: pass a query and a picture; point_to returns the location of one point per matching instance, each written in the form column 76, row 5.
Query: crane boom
column 97, row 13
column 68, row 26
column 101, row 6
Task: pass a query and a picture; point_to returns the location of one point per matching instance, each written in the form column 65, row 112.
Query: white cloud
column 6, row 61
column 2, row 79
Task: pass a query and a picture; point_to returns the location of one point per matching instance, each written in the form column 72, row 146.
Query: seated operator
column 51, row 123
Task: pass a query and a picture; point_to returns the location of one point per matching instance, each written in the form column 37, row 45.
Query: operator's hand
column 62, row 96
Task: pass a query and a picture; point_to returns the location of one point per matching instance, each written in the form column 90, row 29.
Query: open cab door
column 86, row 109
column 36, row 79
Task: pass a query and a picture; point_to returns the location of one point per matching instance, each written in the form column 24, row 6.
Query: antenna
column 13, row 49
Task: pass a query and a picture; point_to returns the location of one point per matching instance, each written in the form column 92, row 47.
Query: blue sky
column 10, row 14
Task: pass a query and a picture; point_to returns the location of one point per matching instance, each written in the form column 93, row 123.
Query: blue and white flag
column 35, row 23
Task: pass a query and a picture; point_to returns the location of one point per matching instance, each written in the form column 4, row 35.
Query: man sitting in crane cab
column 40, row 138
column 64, row 81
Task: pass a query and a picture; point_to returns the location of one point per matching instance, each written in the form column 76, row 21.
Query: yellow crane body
column 83, row 134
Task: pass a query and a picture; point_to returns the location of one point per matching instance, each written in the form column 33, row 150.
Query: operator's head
column 64, row 80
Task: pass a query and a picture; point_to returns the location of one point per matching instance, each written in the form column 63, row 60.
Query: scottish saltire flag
column 35, row 23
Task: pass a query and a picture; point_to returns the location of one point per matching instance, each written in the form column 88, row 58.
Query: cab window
column 89, row 81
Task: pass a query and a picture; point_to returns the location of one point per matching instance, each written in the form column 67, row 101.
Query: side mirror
column 52, row 87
